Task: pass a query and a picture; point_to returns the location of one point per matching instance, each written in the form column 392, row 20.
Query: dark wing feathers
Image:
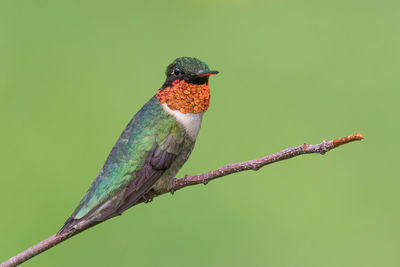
column 156, row 164
column 161, row 160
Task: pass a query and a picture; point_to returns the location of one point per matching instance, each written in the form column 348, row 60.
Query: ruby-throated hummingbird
column 152, row 148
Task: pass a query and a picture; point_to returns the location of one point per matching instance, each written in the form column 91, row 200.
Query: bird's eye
column 177, row 71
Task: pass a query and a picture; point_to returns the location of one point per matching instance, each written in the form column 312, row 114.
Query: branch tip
column 358, row 136
column 347, row 139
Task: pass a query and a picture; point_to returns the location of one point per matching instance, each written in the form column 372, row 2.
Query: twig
column 204, row 178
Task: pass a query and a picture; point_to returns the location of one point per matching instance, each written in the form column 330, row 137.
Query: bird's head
column 186, row 86
column 188, row 69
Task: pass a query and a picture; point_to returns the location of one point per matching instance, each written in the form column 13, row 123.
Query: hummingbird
column 153, row 147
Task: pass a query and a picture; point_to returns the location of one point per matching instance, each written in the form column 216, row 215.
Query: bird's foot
column 172, row 190
column 148, row 197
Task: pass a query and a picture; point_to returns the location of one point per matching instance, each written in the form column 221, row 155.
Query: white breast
column 190, row 121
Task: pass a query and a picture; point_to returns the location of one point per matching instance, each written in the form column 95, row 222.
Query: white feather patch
column 190, row 121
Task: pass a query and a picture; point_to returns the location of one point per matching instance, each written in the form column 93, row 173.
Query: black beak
column 204, row 73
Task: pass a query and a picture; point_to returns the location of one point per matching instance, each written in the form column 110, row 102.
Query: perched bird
column 152, row 148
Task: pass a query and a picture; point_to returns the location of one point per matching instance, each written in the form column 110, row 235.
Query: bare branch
column 203, row 178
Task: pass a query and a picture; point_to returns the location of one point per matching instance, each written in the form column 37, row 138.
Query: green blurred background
column 73, row 73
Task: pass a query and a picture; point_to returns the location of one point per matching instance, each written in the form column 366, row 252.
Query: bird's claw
column 172, row 190
column 147, row 198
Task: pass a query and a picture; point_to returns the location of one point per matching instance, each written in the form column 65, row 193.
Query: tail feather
column 68, row 225
column 71, row 224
